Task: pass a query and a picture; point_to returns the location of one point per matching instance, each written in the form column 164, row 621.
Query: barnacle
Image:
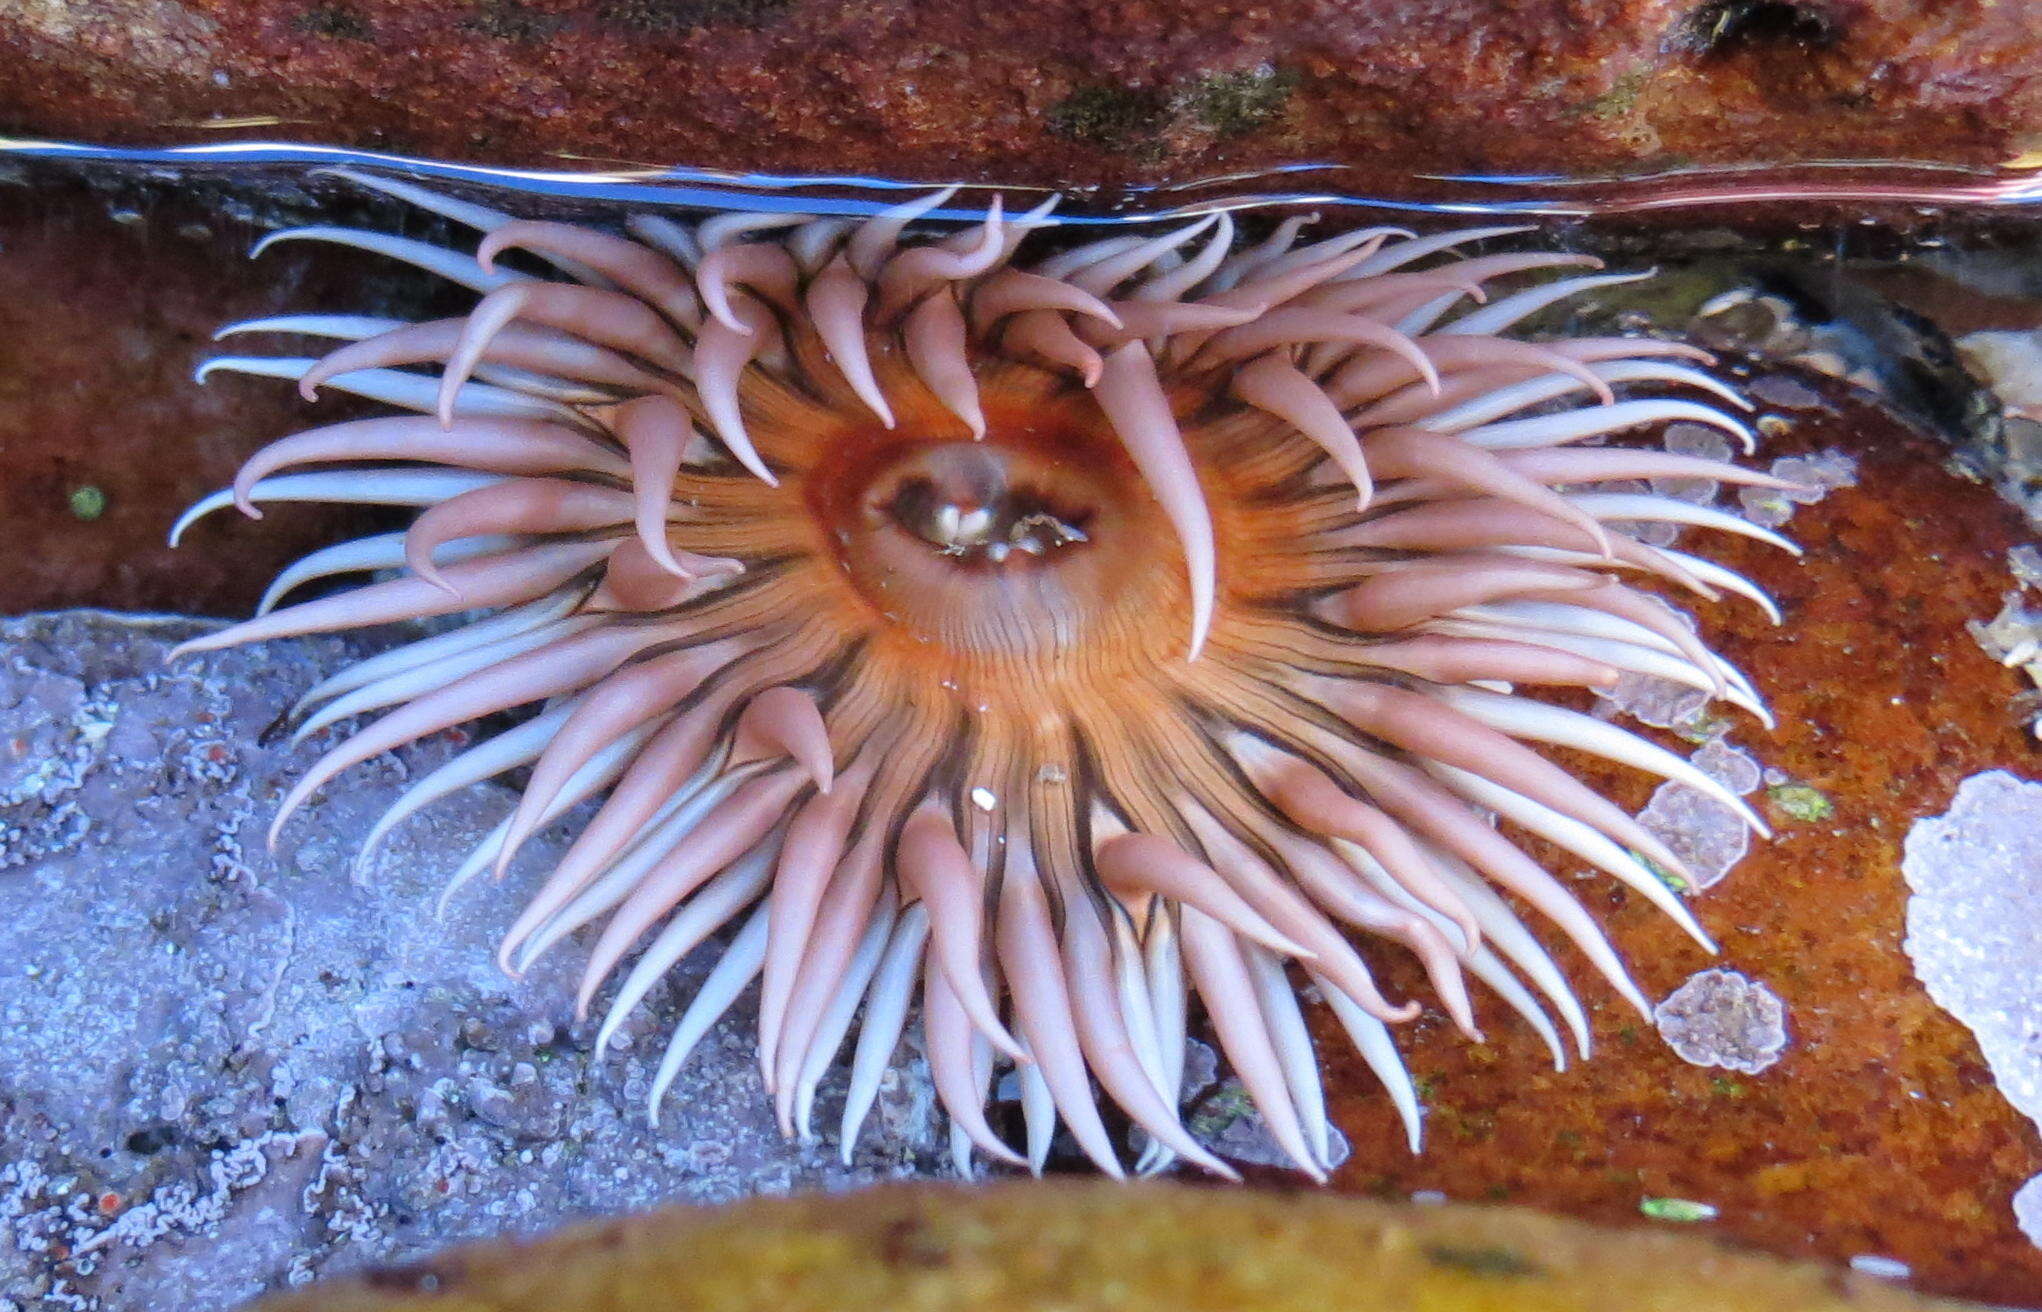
column 1053, row 629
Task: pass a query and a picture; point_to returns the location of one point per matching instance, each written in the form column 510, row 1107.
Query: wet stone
column 1882, row 1131
column 1226, row 1121
column 226, row 1069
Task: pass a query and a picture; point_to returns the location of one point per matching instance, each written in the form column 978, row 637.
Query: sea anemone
column 1054, row 629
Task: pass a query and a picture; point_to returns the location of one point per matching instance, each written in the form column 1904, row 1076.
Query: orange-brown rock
column 1880, row 1131
column 1106, row 91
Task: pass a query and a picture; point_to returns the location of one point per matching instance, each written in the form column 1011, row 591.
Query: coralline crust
column 1057, row 91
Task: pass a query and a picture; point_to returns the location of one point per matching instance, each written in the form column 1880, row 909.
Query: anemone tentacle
column 1052, row 636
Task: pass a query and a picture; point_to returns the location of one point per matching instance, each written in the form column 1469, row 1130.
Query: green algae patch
column 1802, row 802
column 1237, row 103
column 88, row 503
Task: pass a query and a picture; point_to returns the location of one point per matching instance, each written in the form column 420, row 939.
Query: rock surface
column 222, row 1070
column 1880, row 1132
column 1094, row 1245
column 1059, row 91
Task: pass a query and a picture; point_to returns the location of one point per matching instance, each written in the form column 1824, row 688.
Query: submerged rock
column 222, row 1069
column 1881, row 1131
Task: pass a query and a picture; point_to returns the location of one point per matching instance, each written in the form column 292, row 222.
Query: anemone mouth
column 982, row 505
column 1029, row 540
column 1053, row 637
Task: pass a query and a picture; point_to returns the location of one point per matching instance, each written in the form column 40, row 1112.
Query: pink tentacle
column 656, row 432
column 1413, row 453
column 618, row 705
column 725, row 834
column 1434, row 731
column 764, row 267
column 913, row 272
column 1103, row 1034
column 1048, row 334
column 934, row 867
column 785, row 721
column 1332, row 883
column 1431, row 809
column 638, row 269
column 1144, row 863
column 1271, row 385
column 613, row 319
column 836, row 308
column 1012, row 291
column 634, row 581
column 853, row 897
column 1132, row 397
column 815, row 843
column 1443, row 659
column 1400, row 598
column 721, row 355
column 520, row 505
column 495, row 446
column 1221, row 978
column 486, row 583
column 571, row 663
column 662, row 765
column 939, row 353
column 1320, row 806
column 521, row 346
column 1030, row 960
column 949, row 1034
column 1283, row 328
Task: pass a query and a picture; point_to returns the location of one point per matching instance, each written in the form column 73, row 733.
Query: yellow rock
column 1081, row 1247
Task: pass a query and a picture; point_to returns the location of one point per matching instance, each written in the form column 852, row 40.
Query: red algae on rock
column 1059, row 91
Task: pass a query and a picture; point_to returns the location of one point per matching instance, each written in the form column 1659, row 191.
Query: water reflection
column 1839, row 182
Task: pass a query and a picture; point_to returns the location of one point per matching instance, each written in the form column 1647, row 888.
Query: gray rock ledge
column 223, row 1070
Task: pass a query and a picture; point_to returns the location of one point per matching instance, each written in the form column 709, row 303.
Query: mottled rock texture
column 1107, row 91
column 1880, row 1131
column 223, row 1069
